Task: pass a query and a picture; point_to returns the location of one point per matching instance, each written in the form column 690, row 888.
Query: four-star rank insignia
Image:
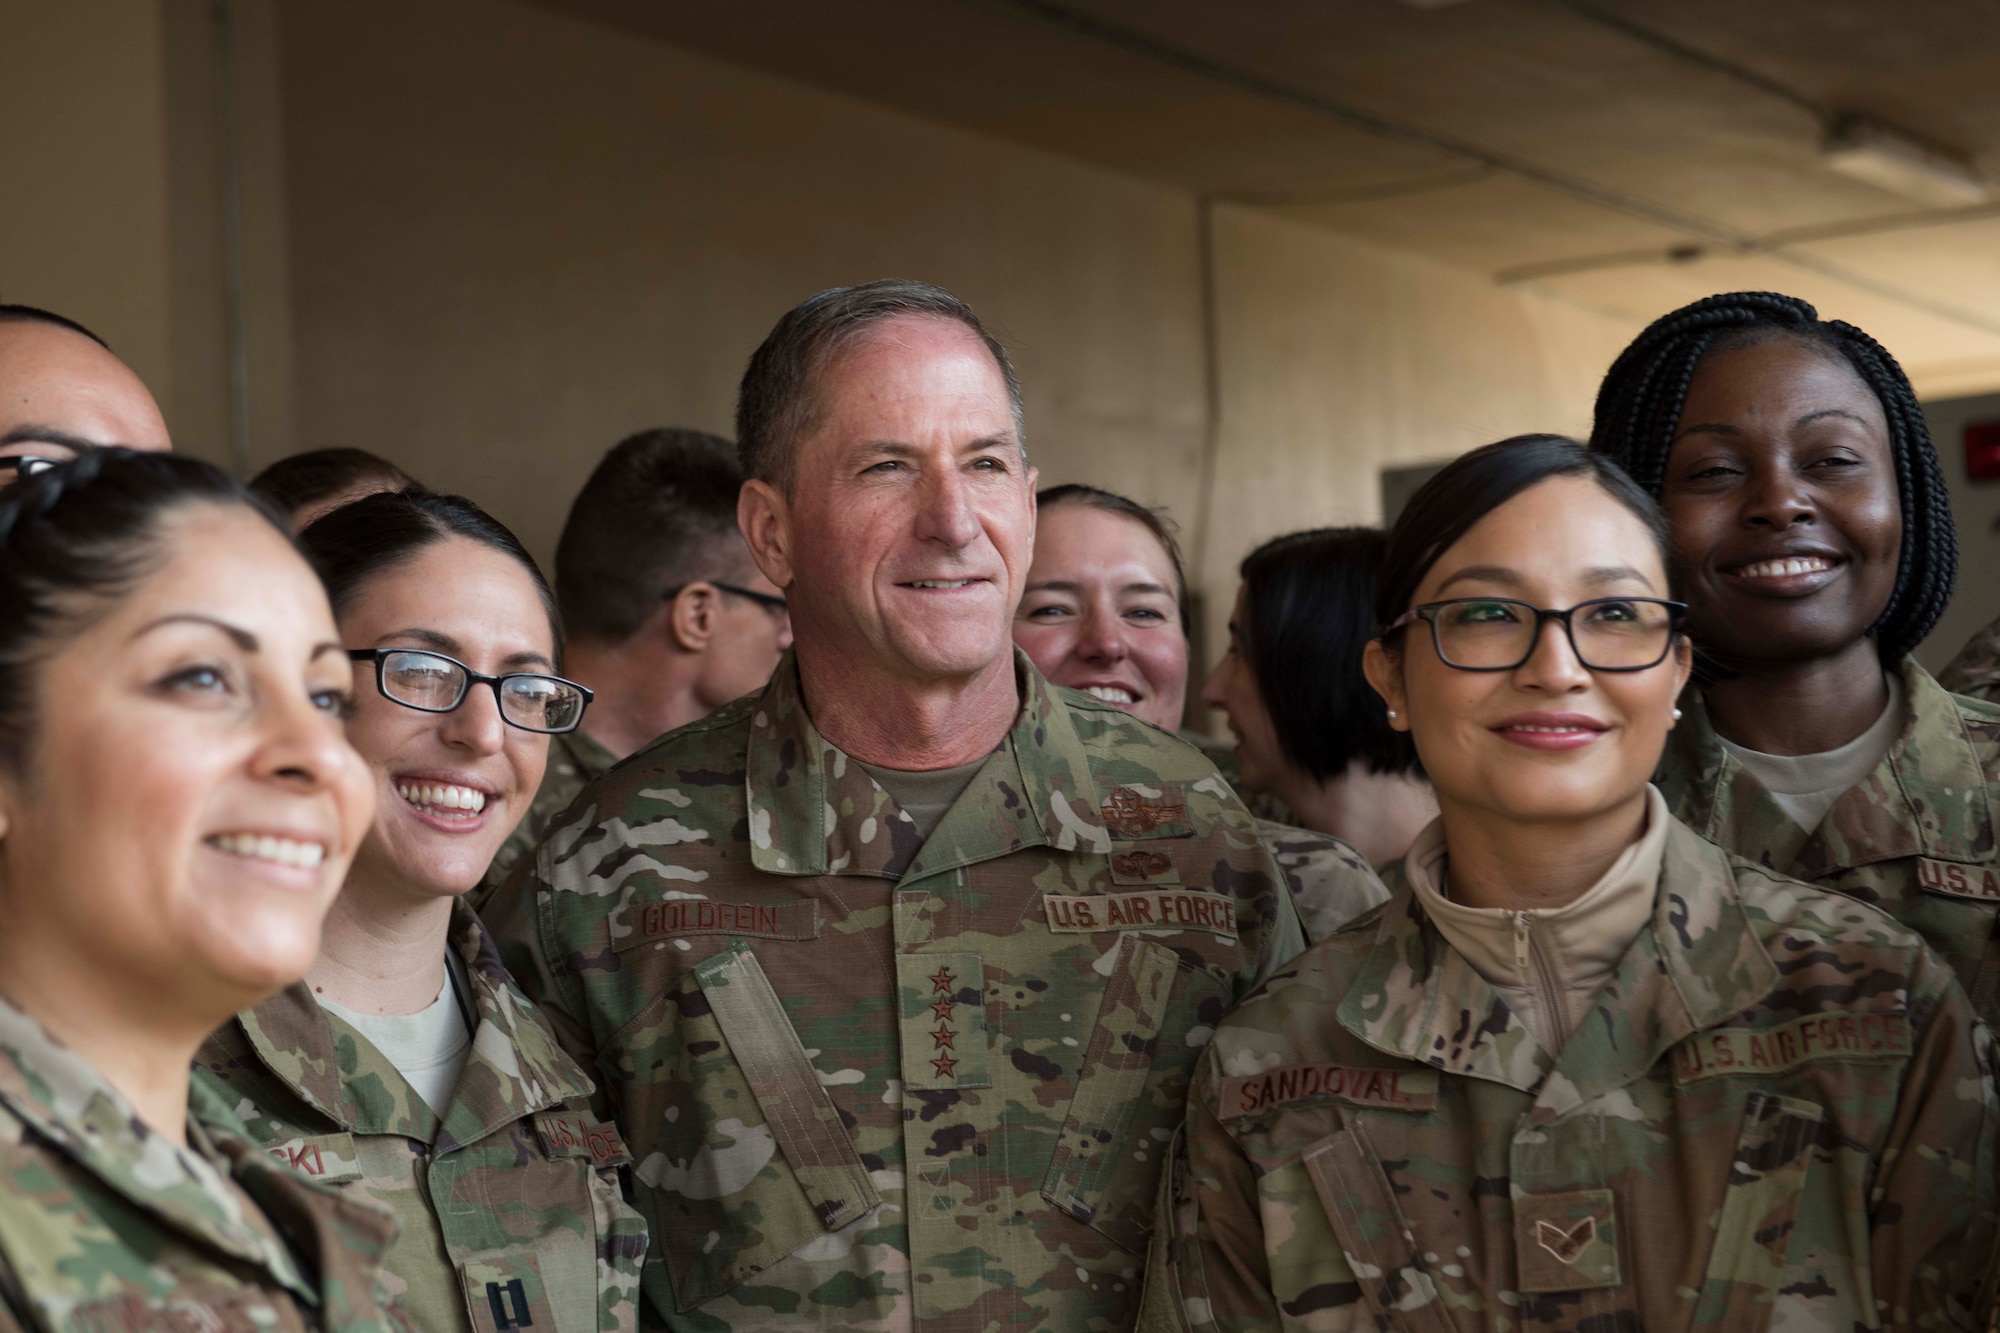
column 943, row 1037
column 943, row 1020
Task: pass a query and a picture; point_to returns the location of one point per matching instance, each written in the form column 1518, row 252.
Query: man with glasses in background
column 667, row 616
column 62, row 392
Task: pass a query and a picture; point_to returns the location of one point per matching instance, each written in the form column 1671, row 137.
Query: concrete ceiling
column 1626, row 157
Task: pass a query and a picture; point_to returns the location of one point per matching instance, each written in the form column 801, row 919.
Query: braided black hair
column 1639, row 407
column 73, row 540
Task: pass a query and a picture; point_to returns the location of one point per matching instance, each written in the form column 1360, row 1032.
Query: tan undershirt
column 1548, row 963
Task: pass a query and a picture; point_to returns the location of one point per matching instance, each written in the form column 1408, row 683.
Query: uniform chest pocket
column 751, row 1158
column 1156, row 1015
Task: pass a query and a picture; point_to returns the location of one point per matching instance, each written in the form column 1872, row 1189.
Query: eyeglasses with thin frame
column 1500, row 634
column 769, row 602
column 433, row 683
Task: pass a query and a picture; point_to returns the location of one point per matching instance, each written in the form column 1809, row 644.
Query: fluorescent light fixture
column 1891, row 159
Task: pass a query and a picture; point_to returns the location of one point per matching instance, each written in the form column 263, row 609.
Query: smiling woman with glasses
column 1582, row 1065
column 408, row 1067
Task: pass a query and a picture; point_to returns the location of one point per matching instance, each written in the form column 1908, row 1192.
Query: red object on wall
column 1982, row 451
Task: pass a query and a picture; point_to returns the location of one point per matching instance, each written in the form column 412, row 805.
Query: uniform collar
column 592, row 760
column 1697, row 963
column 72, row 1106
column 812, row 811
column 514, row 1068
column 1893, row 813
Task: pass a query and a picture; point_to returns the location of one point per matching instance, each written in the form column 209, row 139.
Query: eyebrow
column 444, row 643
column 1500, row 574
column 898, row 449
column 241, row 637
column 1724, row 428
column 1071, row 585
column 32, row 434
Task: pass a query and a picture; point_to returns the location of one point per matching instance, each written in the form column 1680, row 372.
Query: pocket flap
column 1374, row 1236
column 802, row 1117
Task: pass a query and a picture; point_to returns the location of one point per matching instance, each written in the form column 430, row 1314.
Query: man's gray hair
column 777, row 406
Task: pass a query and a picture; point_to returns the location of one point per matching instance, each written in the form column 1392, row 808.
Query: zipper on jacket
column 1533, row 960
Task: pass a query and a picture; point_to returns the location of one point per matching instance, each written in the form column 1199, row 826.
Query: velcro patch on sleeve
column 1843, row 1036
column 677, row 918
column 330, row 1158
column 1385, row 1089
column 567, row 1134
column 1956, row 880
column 1147, row 909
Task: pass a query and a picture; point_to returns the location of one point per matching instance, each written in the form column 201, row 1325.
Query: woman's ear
column 1683, row 663
column 1385, row 677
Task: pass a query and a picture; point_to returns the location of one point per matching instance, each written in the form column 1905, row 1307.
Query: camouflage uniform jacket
column 1779, row 1114
column 1915, row 837
column 1331, row 883
column 1976, row 670
column 105, row 1225
column 510, row 1203
column 873, row 1082
column 575, row 761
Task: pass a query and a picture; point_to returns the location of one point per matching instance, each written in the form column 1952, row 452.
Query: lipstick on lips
column 1551, row 731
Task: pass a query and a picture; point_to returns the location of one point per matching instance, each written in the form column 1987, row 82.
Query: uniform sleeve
column 520, row 917
column 1209, row 1272
column 1284, row 935
column 1931, row 1213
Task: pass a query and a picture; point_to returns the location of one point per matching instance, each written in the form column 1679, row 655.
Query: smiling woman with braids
column 1814, row 534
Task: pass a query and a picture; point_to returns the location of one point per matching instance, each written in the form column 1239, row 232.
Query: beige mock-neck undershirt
column 1570, row 950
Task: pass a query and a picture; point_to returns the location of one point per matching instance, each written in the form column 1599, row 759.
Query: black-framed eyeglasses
column 764, row 599
column 1500, row 634
column 433, row 683
column 27, row 465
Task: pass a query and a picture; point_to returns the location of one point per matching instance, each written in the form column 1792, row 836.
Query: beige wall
column 510, row 252
column 1339, row 359
column 83, row 227
column 488, row 240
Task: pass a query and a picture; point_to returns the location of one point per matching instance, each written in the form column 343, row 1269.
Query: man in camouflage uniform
column 667, row 618
column 105, row 1224
column 893, row 974
column 1779, row 1113
column 511, row 1209
column 1976, row 669
column 1919, row 837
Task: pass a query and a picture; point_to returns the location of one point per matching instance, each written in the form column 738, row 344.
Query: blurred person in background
column 178, row 807
column 310, row 484
column 1813, row 532
column 1308, row 728
column 666, row 615
column 1975, row 672
column 1105, row 612
column 1584, row 1070
column 62, row 392
column 407, row 1068
column 1105, row 608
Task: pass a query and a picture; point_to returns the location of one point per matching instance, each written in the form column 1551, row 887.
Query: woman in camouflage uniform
column 1583, row 1070
column 177, row 808
column 1105, row 611
column 407, row 1068
column 1813, row 530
